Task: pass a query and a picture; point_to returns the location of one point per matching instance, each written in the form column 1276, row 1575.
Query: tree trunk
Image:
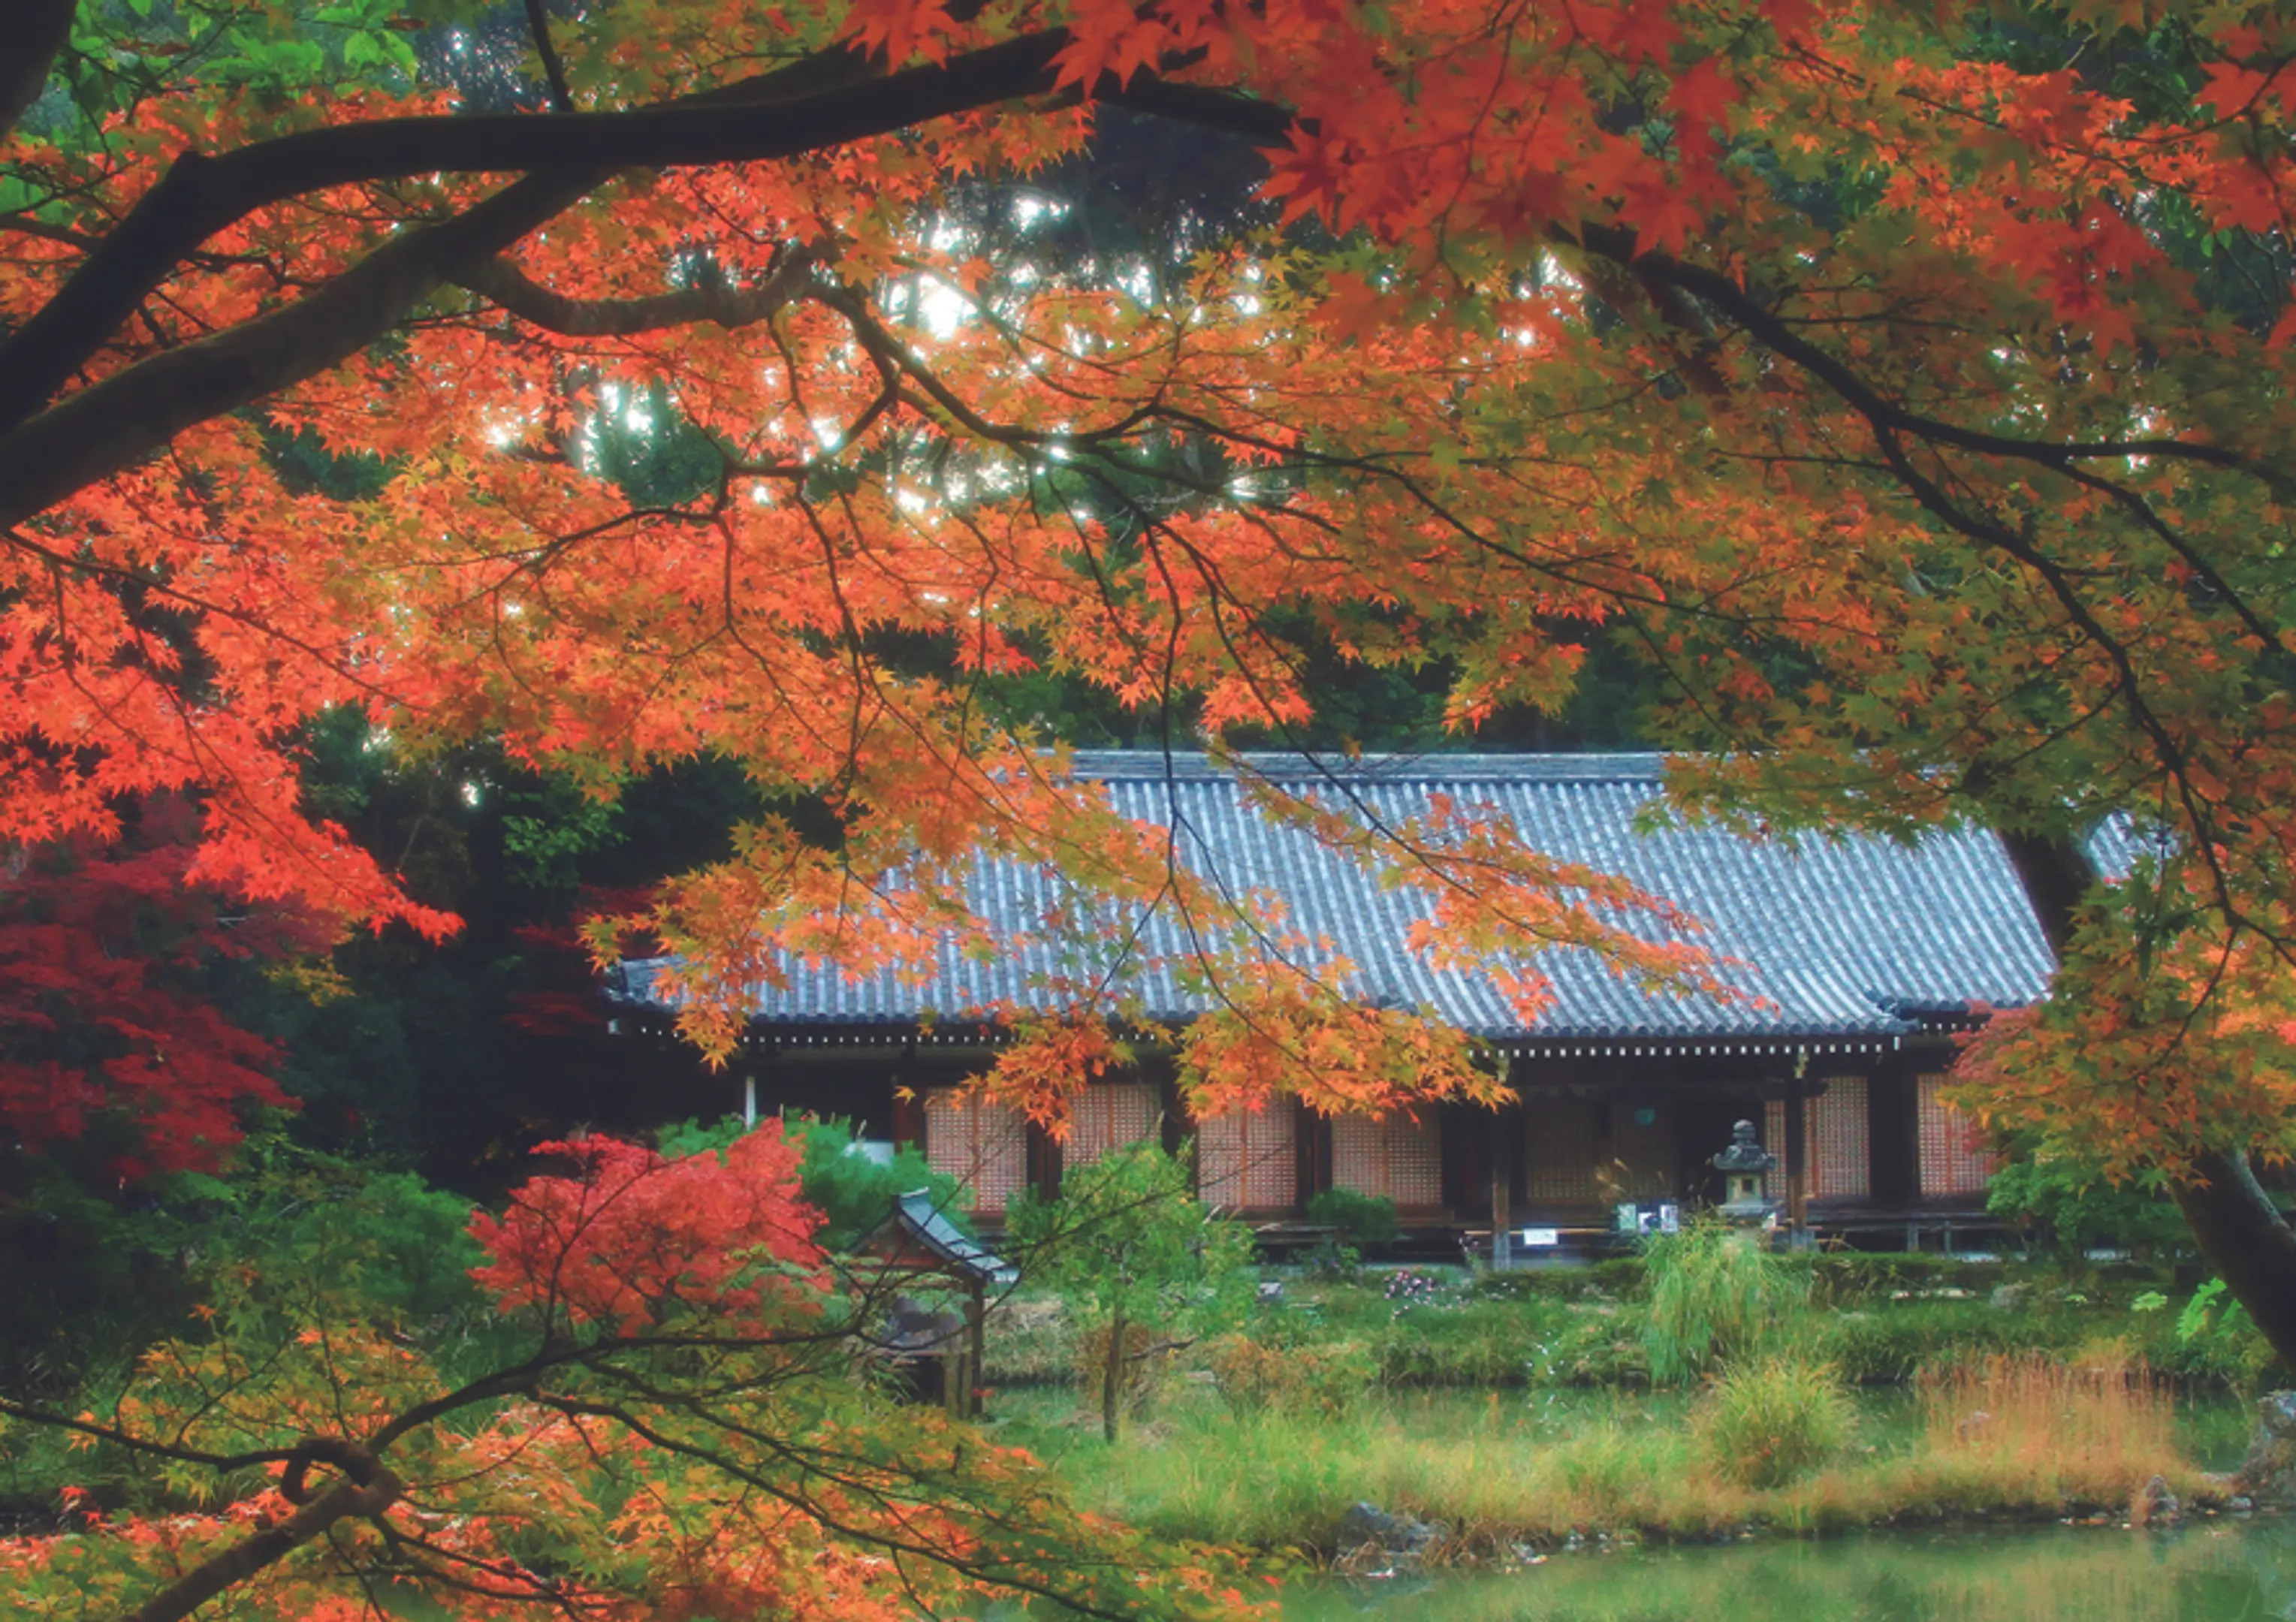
column 2247, row 1240
column 371, row 1490
column 2239, row 1231
column 2056, row 874
column 34, row 36
column 1111, row 1383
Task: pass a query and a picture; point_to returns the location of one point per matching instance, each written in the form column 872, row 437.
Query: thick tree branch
column 2246, row 1241
column 370, row 1491
column 2055, row 874
column 112, row 425
column 727, row 307
column 29, row 43
column 1209, row 108
column 746, row 123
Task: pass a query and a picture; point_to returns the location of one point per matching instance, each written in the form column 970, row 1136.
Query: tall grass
column 1716, row 1292
column 1765, row 1424
column 2092, row 1431
column 1770, row 1444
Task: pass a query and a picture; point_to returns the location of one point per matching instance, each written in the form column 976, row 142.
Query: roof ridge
column 1117, row 764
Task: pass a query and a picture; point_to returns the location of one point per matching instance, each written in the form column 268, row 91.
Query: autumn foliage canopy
column 1905, row 385
column 673, row 1423
column 1905, row 388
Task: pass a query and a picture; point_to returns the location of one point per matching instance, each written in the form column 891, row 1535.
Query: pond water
column 2214, row 1570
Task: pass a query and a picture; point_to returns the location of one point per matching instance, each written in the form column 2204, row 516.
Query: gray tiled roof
column 1848, row 936
column 918, row 1219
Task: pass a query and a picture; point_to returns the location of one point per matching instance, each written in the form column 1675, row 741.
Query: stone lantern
column 1743, row 1165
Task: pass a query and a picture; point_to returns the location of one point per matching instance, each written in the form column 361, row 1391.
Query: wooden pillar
column 1172, row 1117
column 1514, row 1154
column 1044, row 1162
column 956, row 1382
column 1502, row 1251
column 976, row 1340
column 1797, row 1153
column 907, row 1123
column 1893, row 1133
column 1314, row 1153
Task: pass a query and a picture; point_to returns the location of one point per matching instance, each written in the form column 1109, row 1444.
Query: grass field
column 2017, row 1437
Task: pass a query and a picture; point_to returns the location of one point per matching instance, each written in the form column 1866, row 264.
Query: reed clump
column 1772, row 1444
column 1325, row 1378
column 2090, row 1431
column 1717, row 1293
column 1770, row 1423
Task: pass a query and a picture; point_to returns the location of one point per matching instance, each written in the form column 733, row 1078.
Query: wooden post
column 1502, row 1251
column 1797, row 1155
column 976, row 1335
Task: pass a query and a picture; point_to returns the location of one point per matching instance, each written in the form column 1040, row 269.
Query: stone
column 1367, row 1525
column 2155, row 1505
column 2267, row 1475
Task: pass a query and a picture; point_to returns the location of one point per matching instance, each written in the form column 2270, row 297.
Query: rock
column 1367, row 1526
column 2267, row 1475
column 2011, row 1297
column 2154, row 1505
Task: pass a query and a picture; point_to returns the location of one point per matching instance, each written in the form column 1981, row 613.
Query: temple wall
column 1565, row 1154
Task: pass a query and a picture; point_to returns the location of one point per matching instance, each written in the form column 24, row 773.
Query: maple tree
column 680, row 1424
column 1909, row 385
column 1129, row 1245
column 111, row 1045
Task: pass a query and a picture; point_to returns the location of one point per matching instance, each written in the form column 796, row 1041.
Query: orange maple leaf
column 1662, row 216
column 902, row 28
column 1704, row 94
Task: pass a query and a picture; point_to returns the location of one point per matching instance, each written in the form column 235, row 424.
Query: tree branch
column 34, row 36
column 514, row 291
column 567, row 154
column 1778, row 336
column 112, row 425
column 538, row 23
column 370, row 1490
column 222, row 1461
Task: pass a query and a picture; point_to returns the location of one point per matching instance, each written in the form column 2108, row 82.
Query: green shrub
column 1361, row 1219
column 2059, row 1206
column 1769, row 1424
column 1128, row 1246
column 1850, row 1278
column 1479, row 1343
column 1716, row 1292
column 1609, row 1278
column 2213, row 1339
column 853, row 1192
column 1032, row 1340
column 1327, row 1378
